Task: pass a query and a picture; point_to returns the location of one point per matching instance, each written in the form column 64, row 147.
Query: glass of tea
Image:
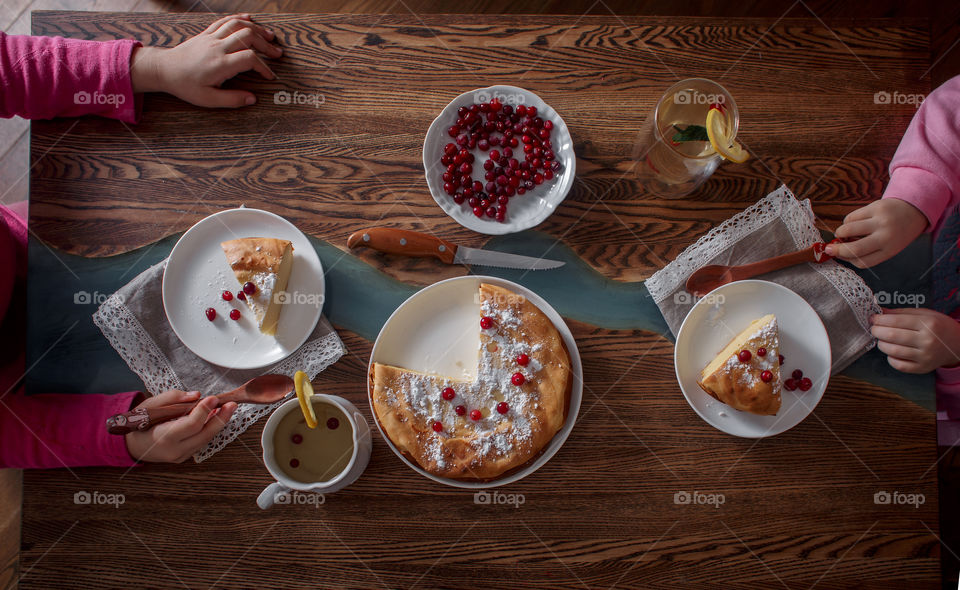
column 319, row 460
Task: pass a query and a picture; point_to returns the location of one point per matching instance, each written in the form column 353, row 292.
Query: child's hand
column 195, row 69
column 175, row 441
column 877, row 232
column 917, row 340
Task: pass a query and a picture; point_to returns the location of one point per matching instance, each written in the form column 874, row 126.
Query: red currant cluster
column 487, row 126
column 248, row 289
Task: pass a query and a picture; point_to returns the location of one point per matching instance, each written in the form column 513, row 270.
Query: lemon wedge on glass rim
column 304, row 392
column 721, row 140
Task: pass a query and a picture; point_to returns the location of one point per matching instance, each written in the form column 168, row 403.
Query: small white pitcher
column 362, row 446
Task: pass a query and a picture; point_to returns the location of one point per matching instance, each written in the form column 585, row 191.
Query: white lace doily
column 140, row 351
column 798, row 217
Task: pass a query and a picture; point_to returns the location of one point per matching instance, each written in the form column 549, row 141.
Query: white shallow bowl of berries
column 499, row 160
column 718, row 317
column 198, row 278
column 436, row 331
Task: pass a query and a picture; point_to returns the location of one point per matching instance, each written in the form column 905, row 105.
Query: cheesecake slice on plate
column 746, row 373
column 266, row 264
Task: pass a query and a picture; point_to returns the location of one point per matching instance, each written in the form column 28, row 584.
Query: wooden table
column 799, row 508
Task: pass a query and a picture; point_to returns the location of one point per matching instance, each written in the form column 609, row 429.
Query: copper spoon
column 710, row 277
column 264, row 389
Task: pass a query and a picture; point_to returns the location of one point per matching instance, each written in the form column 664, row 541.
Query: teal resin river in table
column 67, row 353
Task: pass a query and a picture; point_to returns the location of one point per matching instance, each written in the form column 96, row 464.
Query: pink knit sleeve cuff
column 922, row 189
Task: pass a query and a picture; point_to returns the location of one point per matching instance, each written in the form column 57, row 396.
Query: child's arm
column 924, row 182
column 46, row 77
column 53, row 430
column 917, row 340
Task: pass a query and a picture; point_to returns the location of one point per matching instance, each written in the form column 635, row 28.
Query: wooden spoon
column 710, row 277
column 264, row 389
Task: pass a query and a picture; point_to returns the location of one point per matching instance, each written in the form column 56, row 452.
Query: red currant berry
column 241, row 296
column 249, row 288
column 297, row 439
column 460, row 410
column 234, row 314
column 744, row 356
column 475, row 415
column 790, row 385
column 805, row 384
column 437, row 427
column 227, row 296
column 211, row 314
column 761, row 351
column 518, row 379
column 294, row 463
column 797, row 374
column 781, row 359
column 486, row 323
column 448, row 393
column 333, row 423
column 523, row 360
column 503, row 407
column 766, row 376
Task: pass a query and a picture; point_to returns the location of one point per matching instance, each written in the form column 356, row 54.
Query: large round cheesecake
column 482, row 428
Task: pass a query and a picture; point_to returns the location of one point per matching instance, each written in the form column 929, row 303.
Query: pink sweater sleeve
column 50, row 431
column 925, row 171
column 46, row 77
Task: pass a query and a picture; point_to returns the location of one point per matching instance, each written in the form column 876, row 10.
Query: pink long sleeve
column 46, row 77
column 925, row 171
column 50, row 431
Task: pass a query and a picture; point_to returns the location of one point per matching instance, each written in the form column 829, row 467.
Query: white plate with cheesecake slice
column 275, row 315
column 726, row 315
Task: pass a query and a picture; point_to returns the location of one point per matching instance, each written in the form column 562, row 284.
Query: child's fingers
column 856, row 251
column 241, row 61
column 218, row 98
column 220, row 21
column 167, row 398
column 901, row 352
column 234, row 26
column 858, row 214
column 899, row 336
column 855, row 229
column 904, row 365
column 212, row 427
column 187, row 426
column 896, row 318
column 247, row 39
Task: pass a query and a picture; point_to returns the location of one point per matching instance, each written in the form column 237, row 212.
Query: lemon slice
column 720, row 138
column 304, row 391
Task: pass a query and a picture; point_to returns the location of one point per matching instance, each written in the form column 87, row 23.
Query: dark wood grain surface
column 799, row 509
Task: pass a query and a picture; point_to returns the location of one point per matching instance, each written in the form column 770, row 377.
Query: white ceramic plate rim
column 724, row 426
column 576, row 394
column 548, row 201
column 180, row 249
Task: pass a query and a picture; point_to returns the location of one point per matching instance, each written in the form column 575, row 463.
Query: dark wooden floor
column 944, row 17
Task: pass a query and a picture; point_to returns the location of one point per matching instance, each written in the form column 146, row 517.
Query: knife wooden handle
column 404, row 243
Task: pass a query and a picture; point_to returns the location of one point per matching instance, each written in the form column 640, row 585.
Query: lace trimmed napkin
column 777, row 224
column 136, row 326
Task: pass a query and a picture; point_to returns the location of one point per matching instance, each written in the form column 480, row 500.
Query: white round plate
column 722, row 314
column 525, row 211
column 418, row 335
column 197, row 273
